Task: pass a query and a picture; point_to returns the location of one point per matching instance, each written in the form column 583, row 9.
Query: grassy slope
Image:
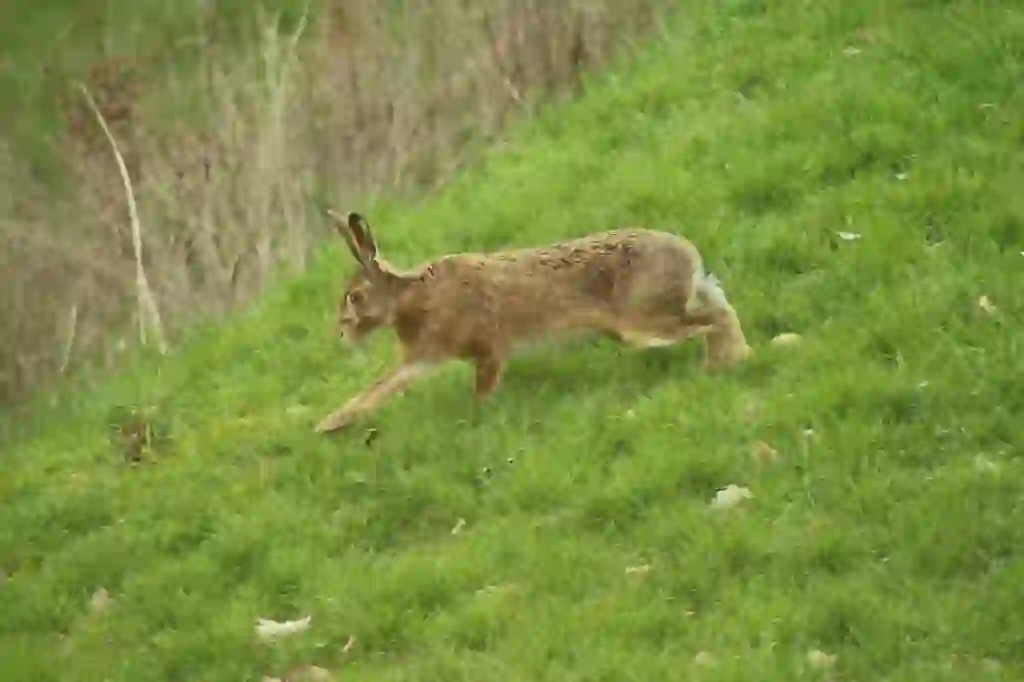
column 890, row 536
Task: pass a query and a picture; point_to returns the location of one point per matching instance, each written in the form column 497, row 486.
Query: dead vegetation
column 354, row 100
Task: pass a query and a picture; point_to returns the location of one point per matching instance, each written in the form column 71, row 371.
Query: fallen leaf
column 982, row 463
column 820, row 660
column 985, row 304
column 704, row 658
column 638, row 569
column 730, row 496
column 100, row 600
column 496, row 589
column 750, row 410
column 309, row 673
column 764, row 453
column 459, row 526
column 349, row 644
column 269, row 629
column 991, row 665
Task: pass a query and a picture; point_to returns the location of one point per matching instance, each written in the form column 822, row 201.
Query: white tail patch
column 708, row 292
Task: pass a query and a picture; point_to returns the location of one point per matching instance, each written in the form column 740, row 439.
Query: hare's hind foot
column 725, row 345
column 724, row 354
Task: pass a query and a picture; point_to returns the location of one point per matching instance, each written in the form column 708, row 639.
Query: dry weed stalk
column 146, row 303
column 355, row 100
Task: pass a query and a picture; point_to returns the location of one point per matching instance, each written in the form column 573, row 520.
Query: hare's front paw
column 335, row 420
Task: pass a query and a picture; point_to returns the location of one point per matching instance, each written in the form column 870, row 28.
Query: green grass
column 888, row 533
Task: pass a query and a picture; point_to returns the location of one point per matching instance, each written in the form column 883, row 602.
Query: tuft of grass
column 886, row 534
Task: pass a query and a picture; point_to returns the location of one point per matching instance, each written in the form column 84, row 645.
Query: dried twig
column 147, row 304
column 70, row 342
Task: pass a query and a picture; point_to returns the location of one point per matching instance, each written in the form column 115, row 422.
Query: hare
column 645, row 287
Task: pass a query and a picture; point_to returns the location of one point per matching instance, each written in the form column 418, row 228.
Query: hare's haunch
column 645, row 287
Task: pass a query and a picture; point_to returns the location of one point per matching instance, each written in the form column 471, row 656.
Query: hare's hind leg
column 369, row 399
column 725, row 344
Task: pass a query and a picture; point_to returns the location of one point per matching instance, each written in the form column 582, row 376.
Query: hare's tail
column 708, row 292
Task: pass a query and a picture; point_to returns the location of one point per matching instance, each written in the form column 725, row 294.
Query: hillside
column 852, row 175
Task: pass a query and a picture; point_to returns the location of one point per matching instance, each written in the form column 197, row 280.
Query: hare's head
column 368, row 301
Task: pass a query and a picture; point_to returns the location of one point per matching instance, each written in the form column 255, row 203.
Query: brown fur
column 645, row 287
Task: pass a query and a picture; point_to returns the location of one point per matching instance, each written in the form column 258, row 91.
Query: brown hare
column 647, row 288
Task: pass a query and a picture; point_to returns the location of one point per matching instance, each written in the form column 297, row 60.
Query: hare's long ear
column 364, row 238
column 353, row 239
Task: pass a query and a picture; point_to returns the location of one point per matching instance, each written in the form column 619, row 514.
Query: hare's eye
column 356, row 298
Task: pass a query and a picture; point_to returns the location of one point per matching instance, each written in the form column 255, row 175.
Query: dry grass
column 354, row 103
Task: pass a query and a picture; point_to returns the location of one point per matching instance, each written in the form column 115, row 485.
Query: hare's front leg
column 373, row 396
column 488, row 374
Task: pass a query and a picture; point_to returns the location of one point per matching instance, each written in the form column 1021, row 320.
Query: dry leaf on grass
column 348, row 645
column 820, row 660
column 497, row 589
column 982, row 463
column 270, row 629
column 704, row 658
column 100, row 600
column 764, row 453
column 309, row 673
column 730, row 496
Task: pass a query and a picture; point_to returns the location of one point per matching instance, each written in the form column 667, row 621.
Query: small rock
column 730, row 496
column 786, row 339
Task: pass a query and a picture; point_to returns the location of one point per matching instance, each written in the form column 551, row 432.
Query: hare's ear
column 364, row 238
column 343, row 226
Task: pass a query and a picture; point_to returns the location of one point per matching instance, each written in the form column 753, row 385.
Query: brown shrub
column 225, row 158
